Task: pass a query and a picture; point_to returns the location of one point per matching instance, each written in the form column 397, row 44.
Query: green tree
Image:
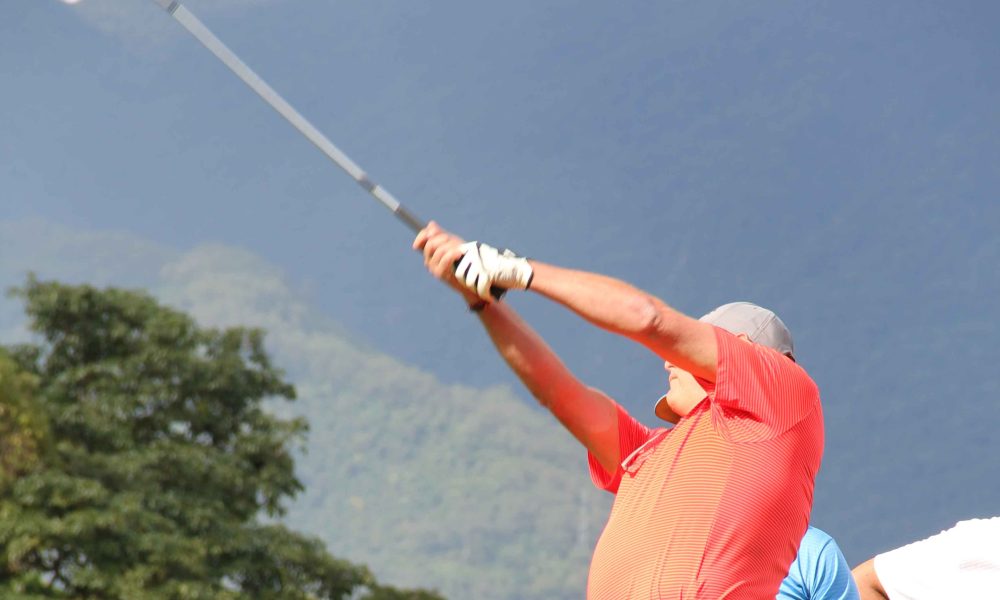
column 23, row 429
column 146, row 466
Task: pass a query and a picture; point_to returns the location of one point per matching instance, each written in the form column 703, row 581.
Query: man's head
column 759, row 325
column 747, row 321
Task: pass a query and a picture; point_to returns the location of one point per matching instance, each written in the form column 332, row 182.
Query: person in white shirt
column 961, row 563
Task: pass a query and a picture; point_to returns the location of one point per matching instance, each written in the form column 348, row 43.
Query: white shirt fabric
column 959, row 563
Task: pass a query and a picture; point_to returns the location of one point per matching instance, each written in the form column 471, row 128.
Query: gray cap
column 759, row 324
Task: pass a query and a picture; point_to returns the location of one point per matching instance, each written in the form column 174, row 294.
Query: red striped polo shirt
column 714, row 507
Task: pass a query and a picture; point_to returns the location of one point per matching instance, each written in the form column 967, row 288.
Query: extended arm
column 586, row 412
column 625, row 310
column 604, row 301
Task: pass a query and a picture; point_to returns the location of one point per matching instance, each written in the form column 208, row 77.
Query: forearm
column 623, row 309
column 527, row 354
column 869, row 585
column 588, row 414
column 605, row 301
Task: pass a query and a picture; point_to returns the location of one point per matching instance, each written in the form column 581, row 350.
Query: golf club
column 208, row 39
column 196, row 28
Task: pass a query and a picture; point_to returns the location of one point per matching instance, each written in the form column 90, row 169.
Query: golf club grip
column 417, row 224
column 495, row 290
column 411, row 220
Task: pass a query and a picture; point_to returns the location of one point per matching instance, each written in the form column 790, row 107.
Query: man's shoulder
column 819, row 555
column 816, row 541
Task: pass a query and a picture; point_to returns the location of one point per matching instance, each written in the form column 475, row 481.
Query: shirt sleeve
column 832, row 579
column 761, row 389
column 819, row 572
column 631, row 435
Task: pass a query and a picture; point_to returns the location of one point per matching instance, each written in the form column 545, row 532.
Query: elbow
column 641, row 315
column 653, row 321
column 554, row 389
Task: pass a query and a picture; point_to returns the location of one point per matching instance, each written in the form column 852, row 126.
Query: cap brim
column 663, row 411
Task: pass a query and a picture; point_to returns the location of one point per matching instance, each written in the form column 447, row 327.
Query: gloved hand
column 483, row 267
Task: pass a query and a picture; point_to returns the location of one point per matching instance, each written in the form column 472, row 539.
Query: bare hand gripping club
column 196, row 28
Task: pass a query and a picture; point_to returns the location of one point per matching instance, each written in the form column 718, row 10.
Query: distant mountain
column 470, row 491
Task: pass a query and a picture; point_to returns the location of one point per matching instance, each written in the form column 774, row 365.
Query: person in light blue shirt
column 819, row 572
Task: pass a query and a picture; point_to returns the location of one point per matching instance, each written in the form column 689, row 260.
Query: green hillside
column 470, row 491
column 473, row 492
column 139, row 461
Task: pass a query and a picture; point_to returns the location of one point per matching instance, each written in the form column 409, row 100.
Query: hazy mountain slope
column 467, row 490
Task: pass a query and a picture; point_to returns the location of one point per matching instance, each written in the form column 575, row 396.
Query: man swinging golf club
column 714, row 507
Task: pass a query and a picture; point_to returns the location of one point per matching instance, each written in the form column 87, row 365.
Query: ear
column 743, row 336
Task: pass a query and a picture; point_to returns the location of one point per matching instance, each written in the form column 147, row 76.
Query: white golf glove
column 484, row 267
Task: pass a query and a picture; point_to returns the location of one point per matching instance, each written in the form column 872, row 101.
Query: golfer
column 819, row 571
column 712, row 508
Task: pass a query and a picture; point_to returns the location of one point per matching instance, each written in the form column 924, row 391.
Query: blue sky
column 835, row 160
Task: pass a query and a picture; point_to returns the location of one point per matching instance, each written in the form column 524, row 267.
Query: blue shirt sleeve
column 819, row 572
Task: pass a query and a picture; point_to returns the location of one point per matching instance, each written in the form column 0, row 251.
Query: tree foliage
column 23, row 428
column 139, row 462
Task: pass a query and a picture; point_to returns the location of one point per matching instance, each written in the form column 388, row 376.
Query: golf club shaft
column 196, row 28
